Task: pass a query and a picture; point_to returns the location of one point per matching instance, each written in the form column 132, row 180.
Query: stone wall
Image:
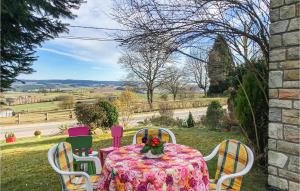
column 284, row 96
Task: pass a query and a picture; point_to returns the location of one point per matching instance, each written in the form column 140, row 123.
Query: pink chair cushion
column 116, row 133
column 78, row 131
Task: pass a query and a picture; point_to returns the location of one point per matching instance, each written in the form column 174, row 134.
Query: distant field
column 44, row 106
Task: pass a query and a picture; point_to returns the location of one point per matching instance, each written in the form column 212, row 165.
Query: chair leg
column 101, row 158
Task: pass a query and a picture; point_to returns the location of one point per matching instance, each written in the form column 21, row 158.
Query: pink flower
column 184, row 172
column 169, row 180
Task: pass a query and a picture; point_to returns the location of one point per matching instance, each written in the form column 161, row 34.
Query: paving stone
column 291, row 38
column 276, row 130
column 287, row 147
column 294, row 164
column 292, row 133
column 278, row 182
column 275, row 114
column 280, row 103
column 277, row 159
column 287, row 12
column 279, row 26
column 275, row 79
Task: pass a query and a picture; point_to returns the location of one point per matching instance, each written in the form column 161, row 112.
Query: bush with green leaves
column 90, row 114
column 111, row 113
column 251, row 108
column 190, row 121
column 214, row 115
column 66, row 101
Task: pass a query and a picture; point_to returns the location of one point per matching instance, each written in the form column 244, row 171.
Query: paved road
column 52, row 128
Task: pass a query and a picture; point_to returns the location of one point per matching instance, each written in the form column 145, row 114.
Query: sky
column 81, row 59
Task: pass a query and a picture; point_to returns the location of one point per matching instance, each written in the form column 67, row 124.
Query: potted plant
column 37, row 134
column 154, row 148
column 10, row 137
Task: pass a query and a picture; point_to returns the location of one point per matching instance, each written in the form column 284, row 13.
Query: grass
column 43, row 106
column 25, row 166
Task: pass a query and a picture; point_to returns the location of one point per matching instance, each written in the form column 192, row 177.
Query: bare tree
column 196, row 70
column 146, row 63
column 173, row 81
column 245, row 24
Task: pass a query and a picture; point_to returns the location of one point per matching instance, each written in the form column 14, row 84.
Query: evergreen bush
column 214, row 115
column 111, row 113
column 190, row 121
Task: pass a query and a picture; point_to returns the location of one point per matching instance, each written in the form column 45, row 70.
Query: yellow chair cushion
column 160, row 133
column 232, row 158
column 213, row 186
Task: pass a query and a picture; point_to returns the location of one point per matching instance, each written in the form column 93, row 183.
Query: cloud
column 71, row 55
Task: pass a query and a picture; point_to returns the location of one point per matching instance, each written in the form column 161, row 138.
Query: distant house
column 6, row 113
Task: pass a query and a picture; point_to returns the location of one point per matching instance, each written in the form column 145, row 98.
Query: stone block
column 291, row 1
column 287, row 12
column 275, row 79
column 290, row 116
column 293, row 53
column 289, row 64
column 272, row 144
column 280, row 103
column 287, row 147
column 277, row 159
column 277, row 55
column 273, row 93
column 278, row 182
column 276, row 3
column 272, row 170
column 291, row 84
column 294, row 24
column 294, row 186
column 291, row 133
column 294, row 164
column 279, row 26
column 276, row 130
column 291, row 38
column 275, row 114
column 275, row 41
column 289, row 175
column 291, row 75
column 296, row 104
column 289, row 93
column 273, row 65
column 274, row 15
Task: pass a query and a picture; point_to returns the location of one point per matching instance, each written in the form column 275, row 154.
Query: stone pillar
column 284, row 96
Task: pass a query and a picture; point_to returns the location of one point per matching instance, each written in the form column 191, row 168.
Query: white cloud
column 66, row 54
column 93, row 13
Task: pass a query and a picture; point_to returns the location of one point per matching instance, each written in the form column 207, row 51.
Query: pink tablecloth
column 181, row 168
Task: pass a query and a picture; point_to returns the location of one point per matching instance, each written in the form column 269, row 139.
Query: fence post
column 19, row 118
column 46, row 116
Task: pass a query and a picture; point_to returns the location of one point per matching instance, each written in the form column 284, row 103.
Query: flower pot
column 152, row 156
column 10, row 139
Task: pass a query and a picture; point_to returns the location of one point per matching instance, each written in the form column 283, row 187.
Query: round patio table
column 181, row 168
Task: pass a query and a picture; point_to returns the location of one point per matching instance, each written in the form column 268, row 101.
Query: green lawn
column 24, row 164
column 43, row 106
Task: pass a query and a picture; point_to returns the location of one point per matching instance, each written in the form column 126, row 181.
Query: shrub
column 37, row 133
column 164, row 97
column 9, row 135
column 165, row 109
column 90, row 114
column 214, row 115
column 251, row 109
column 111, row 113
column 165, row 121
column 190, row 121
column 66, row 102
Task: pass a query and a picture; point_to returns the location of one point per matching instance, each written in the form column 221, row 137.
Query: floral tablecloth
column 181, row 168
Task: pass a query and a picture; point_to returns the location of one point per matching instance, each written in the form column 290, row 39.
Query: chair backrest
column 116, row 133
column 232, row 158
column 78, row 131
column 60, row 158
column 163, row 134
column 81, row 144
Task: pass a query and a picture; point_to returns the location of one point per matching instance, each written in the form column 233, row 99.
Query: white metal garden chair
column 235, row 160
column 61, row 159
column 163, row 134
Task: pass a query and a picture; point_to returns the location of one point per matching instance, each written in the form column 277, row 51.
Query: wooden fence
column 68, row 114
